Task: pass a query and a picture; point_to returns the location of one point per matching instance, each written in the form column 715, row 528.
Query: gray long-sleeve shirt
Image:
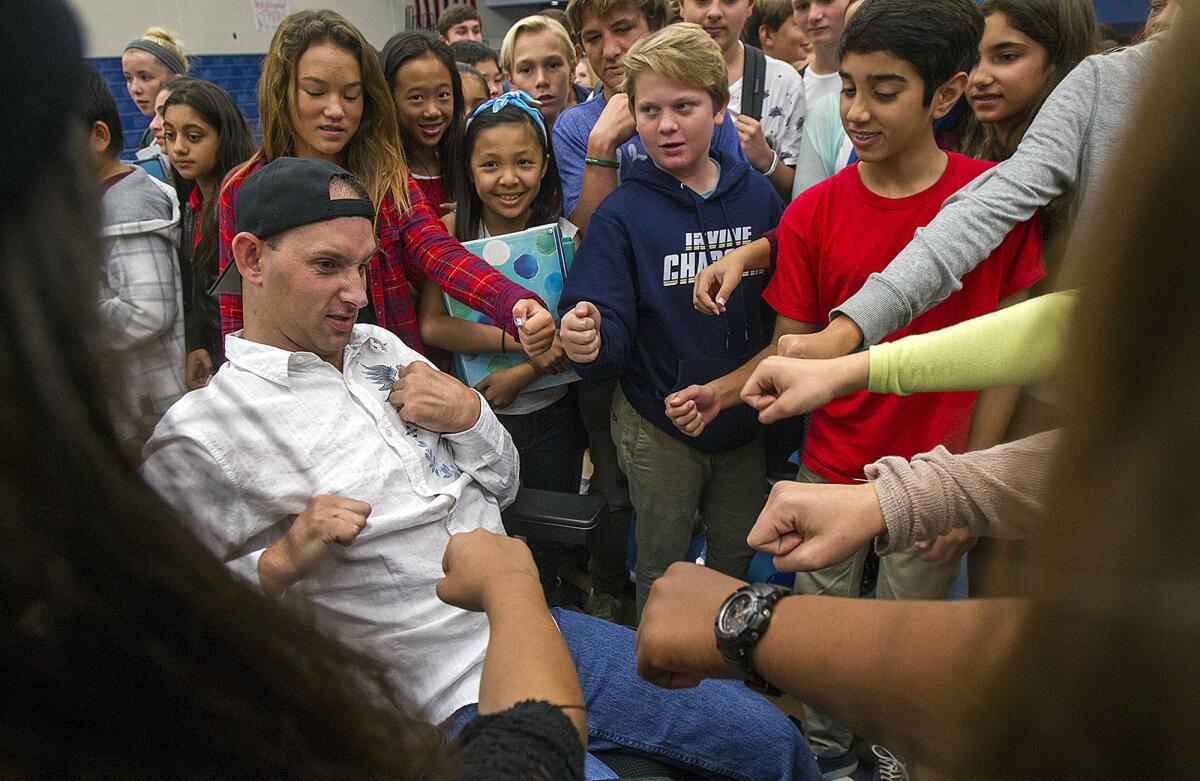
column 1066, row 149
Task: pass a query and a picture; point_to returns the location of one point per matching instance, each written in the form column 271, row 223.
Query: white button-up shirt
column 274, row 429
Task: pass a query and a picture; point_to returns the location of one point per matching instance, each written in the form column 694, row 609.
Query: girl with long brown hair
column 322, row 94
column 1028, row 47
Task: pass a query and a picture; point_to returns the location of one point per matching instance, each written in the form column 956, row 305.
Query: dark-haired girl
column 1028, row 47
column 205, row 136
column 509, row 183
column 425, row 83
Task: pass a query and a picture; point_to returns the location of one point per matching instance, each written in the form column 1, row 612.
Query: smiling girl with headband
column 509, row 183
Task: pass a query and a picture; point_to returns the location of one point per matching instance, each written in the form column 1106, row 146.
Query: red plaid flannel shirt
column 414, row 245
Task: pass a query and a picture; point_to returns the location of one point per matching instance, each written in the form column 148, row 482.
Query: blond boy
column 628, row 313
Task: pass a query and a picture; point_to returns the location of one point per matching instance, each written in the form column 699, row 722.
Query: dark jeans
column 608, row 543
column 550, row 441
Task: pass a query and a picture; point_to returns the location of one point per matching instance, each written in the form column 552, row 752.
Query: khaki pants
column 902, row 575
column 670, row 484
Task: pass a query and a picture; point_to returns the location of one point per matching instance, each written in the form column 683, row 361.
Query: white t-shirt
column 783, row 108
column 818, row 85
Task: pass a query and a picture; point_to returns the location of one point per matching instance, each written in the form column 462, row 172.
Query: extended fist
column 676, row 646
column 433, row 400
column 580, row 332
column 477, row 561
column 535, row 326
column 808, row 527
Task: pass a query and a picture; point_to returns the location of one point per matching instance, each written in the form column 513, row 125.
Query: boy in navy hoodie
column 628, row 307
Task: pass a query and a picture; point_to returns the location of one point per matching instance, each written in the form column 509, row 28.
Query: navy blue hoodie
column 643, row 248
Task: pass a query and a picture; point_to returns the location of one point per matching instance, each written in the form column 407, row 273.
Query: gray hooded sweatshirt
column 141, row 303
column 1066, row 149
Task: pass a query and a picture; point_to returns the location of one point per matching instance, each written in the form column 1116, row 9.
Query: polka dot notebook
column 537, row 259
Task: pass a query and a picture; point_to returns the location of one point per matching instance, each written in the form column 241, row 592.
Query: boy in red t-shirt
column 904, row 65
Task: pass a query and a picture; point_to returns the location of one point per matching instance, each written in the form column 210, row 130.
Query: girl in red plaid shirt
column 322, row 94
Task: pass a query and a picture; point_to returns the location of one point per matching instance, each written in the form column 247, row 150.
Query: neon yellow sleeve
column 1013, row 346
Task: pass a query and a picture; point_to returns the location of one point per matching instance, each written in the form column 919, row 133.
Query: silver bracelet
column 774, row 163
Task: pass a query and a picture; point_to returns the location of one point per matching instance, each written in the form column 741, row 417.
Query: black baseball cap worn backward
column 287, row 193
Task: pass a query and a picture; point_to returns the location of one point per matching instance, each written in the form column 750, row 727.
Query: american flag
column 427, row 12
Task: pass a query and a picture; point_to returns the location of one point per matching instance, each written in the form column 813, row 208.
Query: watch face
column 737, row 612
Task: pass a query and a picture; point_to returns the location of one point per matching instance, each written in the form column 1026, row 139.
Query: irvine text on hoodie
column 643, row 248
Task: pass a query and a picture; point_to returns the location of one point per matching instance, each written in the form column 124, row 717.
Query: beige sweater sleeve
column 998, row 492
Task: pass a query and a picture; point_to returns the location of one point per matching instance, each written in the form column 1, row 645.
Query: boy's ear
column 247, row 253
column 948, row 94
column 99, row 137
column 765, row 36
column 719, row 113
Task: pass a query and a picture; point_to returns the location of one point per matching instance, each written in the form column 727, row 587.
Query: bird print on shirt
column 382, row 375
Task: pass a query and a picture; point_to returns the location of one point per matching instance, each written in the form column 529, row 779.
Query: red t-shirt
column 831, row 238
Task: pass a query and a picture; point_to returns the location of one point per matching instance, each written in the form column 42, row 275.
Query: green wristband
column 600, row 161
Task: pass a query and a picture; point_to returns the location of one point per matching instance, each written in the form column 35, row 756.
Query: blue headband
column 517, row 99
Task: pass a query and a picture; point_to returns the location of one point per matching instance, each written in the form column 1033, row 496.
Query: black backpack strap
column 754, row 81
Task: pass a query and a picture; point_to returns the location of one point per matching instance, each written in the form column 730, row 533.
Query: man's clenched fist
column 434, row 400
column 327, row 519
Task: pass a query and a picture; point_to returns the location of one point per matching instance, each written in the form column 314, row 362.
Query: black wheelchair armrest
column 553, row 515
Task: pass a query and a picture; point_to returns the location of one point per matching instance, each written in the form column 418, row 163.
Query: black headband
column 161, row 52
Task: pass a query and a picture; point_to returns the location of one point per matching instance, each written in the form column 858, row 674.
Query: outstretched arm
column 976, row 219
column 999, row 492
column 1013, row 346
column 526, row 656
column 418, row 241
column 858, row 660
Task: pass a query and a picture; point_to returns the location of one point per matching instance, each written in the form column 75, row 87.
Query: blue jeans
column 719, row 730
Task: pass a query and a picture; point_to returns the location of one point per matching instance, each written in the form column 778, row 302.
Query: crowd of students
column 857, row 211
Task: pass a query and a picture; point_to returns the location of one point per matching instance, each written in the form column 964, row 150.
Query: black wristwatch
column 741, row 622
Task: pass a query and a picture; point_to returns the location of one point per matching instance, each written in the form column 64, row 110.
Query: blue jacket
column 643, row 248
